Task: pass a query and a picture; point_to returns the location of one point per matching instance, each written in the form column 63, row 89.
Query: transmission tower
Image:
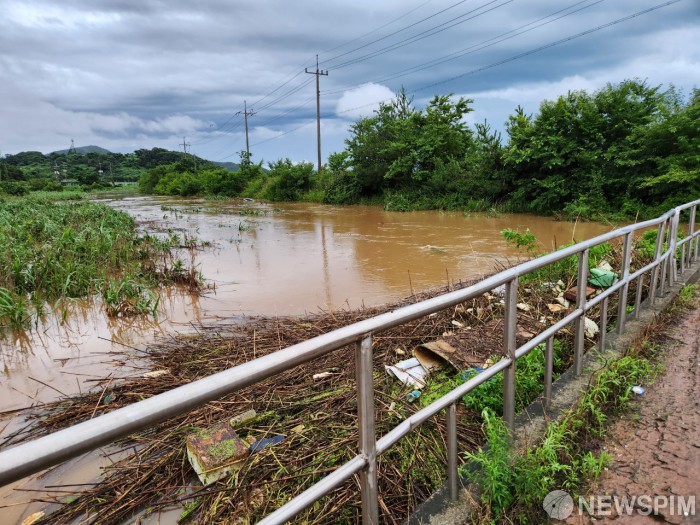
column 184, row 145
column 72, row 147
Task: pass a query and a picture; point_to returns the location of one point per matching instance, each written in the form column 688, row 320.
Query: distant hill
column 85, row 149
column 231, row 166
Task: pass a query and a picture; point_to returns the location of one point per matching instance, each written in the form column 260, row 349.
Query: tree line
column 628, row 149
column 32, row 170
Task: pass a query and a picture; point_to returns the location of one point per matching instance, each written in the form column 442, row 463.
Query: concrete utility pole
column 318, row 74
column 246, row 114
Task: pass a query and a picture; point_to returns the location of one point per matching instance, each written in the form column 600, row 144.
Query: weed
column 529, row 378
column 53, row 250
column 688, row 296
column 515, row 485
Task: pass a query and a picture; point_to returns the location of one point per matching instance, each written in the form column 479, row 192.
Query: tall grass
column 53, row 250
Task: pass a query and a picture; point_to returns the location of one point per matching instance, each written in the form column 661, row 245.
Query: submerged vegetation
column 627, row 150
column 55, row 250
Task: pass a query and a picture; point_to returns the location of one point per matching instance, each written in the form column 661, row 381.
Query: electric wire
column 475, row 47
column 498, row 63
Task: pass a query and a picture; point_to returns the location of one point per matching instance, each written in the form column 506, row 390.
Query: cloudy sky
column 129, row 74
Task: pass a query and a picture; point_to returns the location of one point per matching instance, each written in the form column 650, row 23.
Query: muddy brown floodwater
column 263, row 259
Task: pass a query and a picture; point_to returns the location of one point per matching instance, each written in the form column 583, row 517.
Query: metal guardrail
column 31, row 457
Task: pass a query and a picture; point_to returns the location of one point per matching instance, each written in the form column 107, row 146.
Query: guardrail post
column 655, row 270
column 638, row 298
column 622, row 303
column 368, row 439
column 683, row 258
column 509, row 345
column 580, row 323
column 697, row 239
column 452, row 472
column 673, row 244
column 691, row 231
column 603, row 324
column 548, row 369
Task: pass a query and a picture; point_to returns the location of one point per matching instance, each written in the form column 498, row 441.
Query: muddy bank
column 656, row 449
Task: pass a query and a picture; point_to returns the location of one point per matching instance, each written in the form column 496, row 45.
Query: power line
column 501, row 62
column 395, row 32
column 476, row 47
column 424, row 34
column 377, row 28
column 233, row 115
column 550, row 45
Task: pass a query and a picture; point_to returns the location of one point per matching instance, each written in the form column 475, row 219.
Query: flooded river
column 272, row 259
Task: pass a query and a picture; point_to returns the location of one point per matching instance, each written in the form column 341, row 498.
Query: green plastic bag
column 602, row 278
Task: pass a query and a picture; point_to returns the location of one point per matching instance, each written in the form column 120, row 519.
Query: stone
column 556, row 308
column 562, row 301
column 591, row 328
column 572, row 293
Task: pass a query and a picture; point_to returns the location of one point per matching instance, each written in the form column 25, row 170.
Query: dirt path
column 656, row 449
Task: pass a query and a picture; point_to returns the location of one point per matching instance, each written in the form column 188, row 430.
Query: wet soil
column 655, row 449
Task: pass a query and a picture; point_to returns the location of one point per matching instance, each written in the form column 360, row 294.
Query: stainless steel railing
column 31, row 457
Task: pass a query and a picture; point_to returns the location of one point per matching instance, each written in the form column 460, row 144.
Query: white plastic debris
column 410, row 372
column 605, row 265
column 321, row 375
column 524, row 307
column 155, row 373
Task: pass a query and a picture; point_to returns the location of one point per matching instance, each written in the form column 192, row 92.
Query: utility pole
column 246, row 114
column 318, row 74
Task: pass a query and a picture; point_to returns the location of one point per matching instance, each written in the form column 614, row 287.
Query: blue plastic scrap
column 260, row 444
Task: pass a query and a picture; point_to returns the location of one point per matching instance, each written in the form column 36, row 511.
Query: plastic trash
column 467, row 374
column 636, row 389
column 410, row 372
column 412, row 396
column 260, row 444
column 602, row 278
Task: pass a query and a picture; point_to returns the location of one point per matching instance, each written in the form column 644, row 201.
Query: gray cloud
column 126, row 74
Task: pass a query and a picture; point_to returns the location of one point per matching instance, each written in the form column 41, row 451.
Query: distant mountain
column 231, row 166
column 85, row 149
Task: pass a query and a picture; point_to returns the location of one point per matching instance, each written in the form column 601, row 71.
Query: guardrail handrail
column 28, row 458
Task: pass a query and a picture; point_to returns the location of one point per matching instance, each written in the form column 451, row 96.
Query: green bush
column 288, row 181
